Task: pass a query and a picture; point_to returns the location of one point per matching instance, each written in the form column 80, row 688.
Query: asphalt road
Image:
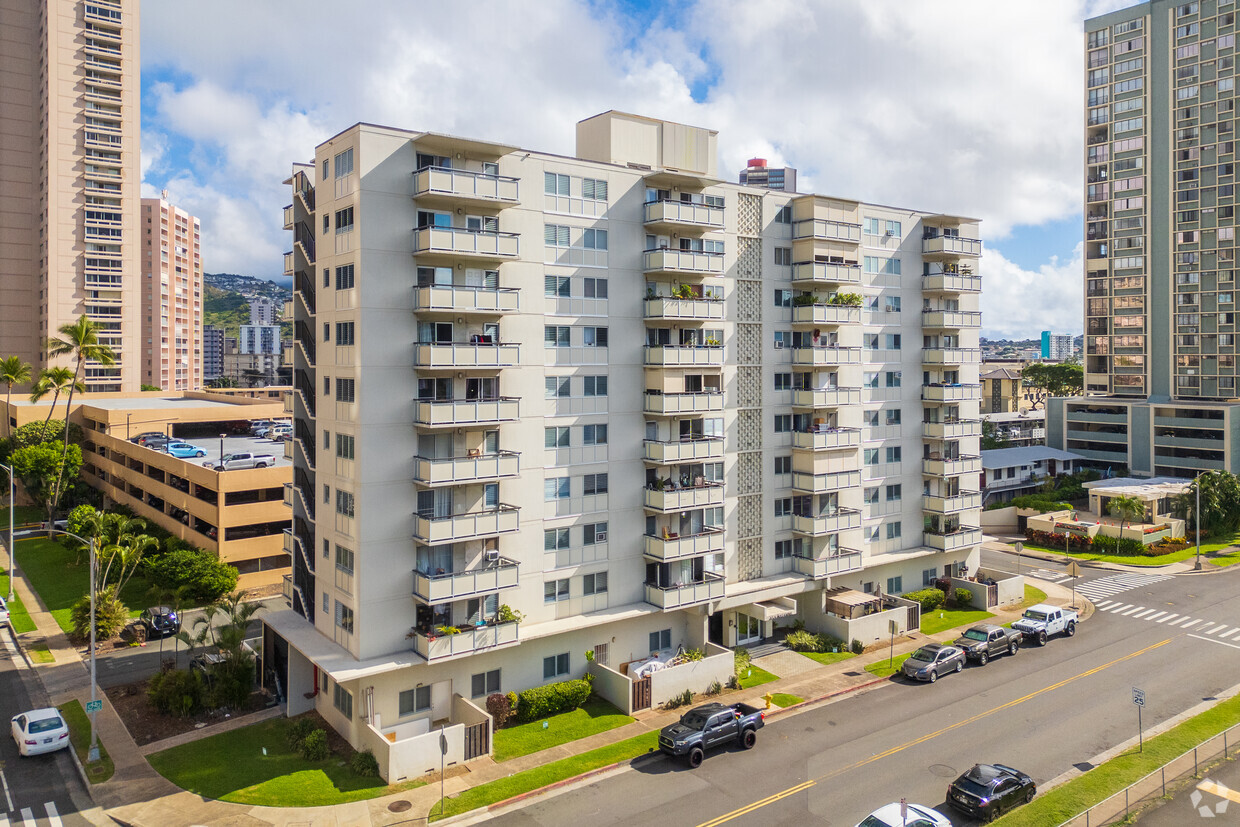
column 39, row 789
column 1043, row 711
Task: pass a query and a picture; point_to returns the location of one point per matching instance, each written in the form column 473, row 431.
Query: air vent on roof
column 632, row 165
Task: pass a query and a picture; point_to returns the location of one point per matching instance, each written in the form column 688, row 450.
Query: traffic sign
column 1073, row 569
column 94, row 706
column 1138, row 696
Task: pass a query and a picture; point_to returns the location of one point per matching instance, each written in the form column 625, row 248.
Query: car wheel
column 201, row 454
column 748, row 739
column 1070, row 630
column 992, row 814
column 1012, row 647
column 959, row 665
column 1029, row 794
column 934, row 675
column 695, row 757
column 1041, row 638
column 983, row 659
column 219, row 468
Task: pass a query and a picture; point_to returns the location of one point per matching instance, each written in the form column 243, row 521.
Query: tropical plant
column 120, row 559
column 1045, row 379
column 40, row 467
column 1127, row 508
column 145, row 388
column 232, row 679
column 13, row 371
column 54, row 381
column 990, row 437
column 1220, row 502
column 79, row 340
column 111, row 615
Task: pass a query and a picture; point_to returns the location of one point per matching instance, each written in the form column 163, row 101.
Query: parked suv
column 160, row 621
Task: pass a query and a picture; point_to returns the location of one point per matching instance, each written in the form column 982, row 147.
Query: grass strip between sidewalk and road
column 79, row 736
column 783, row 699
column 523, row 782
column 1138, row 560
column 40, row 654
column 1032, row 597
column 595, row 716
column 1081, row 793
column 19, row 617
column 885, row 669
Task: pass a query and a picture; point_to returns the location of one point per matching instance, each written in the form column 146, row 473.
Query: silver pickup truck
column 1043, row 620
column 986, row 640
column 233, row 462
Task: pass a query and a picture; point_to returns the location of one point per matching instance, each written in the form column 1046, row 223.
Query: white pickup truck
column 1043, row 620
column 234, row 462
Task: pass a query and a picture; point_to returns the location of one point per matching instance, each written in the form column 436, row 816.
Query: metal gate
column 914, row 617
column 641, row 694
column 477, row 741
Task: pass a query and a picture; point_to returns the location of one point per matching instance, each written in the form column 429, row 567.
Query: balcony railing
column 825, row 397
column 682, row 262
column 454, row 355
column 962, row 537
column 950, row 245
column 822, row 272
column 464, row 185
column 826, row 314
column 675, row 547
column 474, row 524
column 682, row 499
column 963, row 501
column 497, row 574
column 950, row 393
column 807, row 483
column 711, row 587
column 951, row 467
column 672, row 404
column 950, row 283
column 472, row 468
column 827, row 440
column 465, row 242
column 460, row 412
column 690, row 450
column 951, row 319
column 683, row 214
column 452, row 298
column 822, row 230
column 816, row 525
column 465, row 642
column 826, row 356
column 693, row 309
column 951, row 355
column 843, row 561
column 954, row 429
column 710, row 356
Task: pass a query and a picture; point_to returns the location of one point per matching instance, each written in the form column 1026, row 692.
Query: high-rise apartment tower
column 171, row 297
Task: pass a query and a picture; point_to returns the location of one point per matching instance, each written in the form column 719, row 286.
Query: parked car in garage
column 988, row 790
column 932, row 660
column 140, row 438
column 39, row 731
column 184, row 450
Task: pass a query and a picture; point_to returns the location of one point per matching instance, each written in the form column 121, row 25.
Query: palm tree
column 13, row 371
column 79, row 340
column 54, row 381
column 1127, row 508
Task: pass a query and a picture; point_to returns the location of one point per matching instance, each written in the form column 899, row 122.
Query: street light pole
column 1197, row 519
column 221, row 460
column 12, row 554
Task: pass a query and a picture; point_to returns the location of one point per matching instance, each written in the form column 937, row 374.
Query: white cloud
column 1020, row 304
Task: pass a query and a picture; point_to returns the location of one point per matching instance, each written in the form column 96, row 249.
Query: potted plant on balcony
column 804, row 300
column 712, row 343
column 507, row 614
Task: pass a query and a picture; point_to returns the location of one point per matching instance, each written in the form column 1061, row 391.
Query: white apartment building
column 547, row 404
column 263, row 311
column 259, row 338
column 171, row 297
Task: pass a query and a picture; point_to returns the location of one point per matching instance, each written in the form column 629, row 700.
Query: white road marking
column 7, row 797
column 1156, row 616
column 1141, row 614
column 1191, row 623
column 28, row 818
column 18, row 660
column 1229, row 632
column 1212, row 629
column 4, row 820
column 53, row 817
column 1133, row 609
column 1212, row 640
column 1104, row 604
column 1169, row 617
column 1118, row 606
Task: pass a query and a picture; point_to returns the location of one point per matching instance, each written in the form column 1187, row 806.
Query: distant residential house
column 1011, row 472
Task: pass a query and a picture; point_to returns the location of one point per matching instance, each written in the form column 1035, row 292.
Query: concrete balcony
column 687, row 309
column 825, row 397
column 951, row 393
column 845, row 561
column 461, row 412
column 816, row 525
column 458, row 186
column 289, row 219
column 462, row 242
column 469, row 526
column 676, row 404
column 682, row 263
column 673, row 453
column 466, row 642
column 460, row 299
column 821, row 272
column 951, row 319
column 955, row 429
column 460, row 355
column 665, row 549
column 951, row 467
column 806, row 483
column 822, row 230
column 962, row 537
column 951, row 246
column 826, row 314
column 684, row 356
column 951, row 283
column 836, row 439
column 500, row 573
column 963, row 501
column 951, row 356
column 826, row 356
column 682, row 215
column 671, row 500
column 459, row 470
column 688, row 594
column 288, row 264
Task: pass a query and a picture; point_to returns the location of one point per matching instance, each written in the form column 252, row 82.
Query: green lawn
column 79, row 734
column 1074, row 797
column 22, row 515
column 756, row 676
column 782, row 699
column 53, row 571
column 1032, row 597
column 596, row 716
column 883, row 670
column 18, row 616
column 940, row 620
column 255, row 765
column 826, row 658
column 1128, row 560
column 1225, row 559
column 40, row 654
column 523, row 782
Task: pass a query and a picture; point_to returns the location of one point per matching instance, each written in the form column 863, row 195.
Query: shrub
column 683, row 699
column 857, row 647
column 499, row 708
column 734, row 682
column 715, row 688
column 693, row 654
column 179, row 692
column 298, row 729
column 231, row 683
column 810, row 642
column 740, row 657
column 930, row 599
column 314, row 746
column 199, row 575
column 1049, row 539
column 964, row 598
column 111, row 615
column 364, row 764
column 513, row 701
column 541, row 701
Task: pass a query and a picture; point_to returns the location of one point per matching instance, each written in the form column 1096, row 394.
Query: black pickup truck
column 709, row 726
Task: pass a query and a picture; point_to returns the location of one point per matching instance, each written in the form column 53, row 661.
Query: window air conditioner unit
column 600, row 536
column 491, row 555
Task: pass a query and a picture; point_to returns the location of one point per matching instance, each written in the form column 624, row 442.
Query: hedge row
column 930, row 599
column 553, row 699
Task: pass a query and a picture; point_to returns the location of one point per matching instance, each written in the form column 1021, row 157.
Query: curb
column 82, row 773
column 797, row 706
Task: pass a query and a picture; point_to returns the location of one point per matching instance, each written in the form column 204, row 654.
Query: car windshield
column 696, row 719
column 1032, row 615
column 925, row 653
column 974, row 634
column 44, row 725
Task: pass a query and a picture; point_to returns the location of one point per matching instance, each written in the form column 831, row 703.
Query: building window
column 893, row 493
column 345, row 390
column 413, row 701
column 342, row 699
column 594, row 189
column 781, row 339
column 784, row 215
column 344, row 446
column 594, row 435
column 555, row 591
column 594, row 239
column 783, row 506
column 895, row 585
column 783, row 549
column 594, row 336
column 660, row 640
column 555, row 538
column 556, row 336
column 893, row 378
column 783, row 465
column 783, row 256
column 560, row 286
column 344, row 163
column 556, row 386
column 595, row 385
column 556, row 437
column 344, row 220
column 893, row 453
column 893, row 533
column 484, row 683
column 555, row 666
column 783, row 423
column 344, row 617
column 344, row 277
column 783, row 381
column 783, row 298
column 344, row 333
column 556, row 235
column 928, row 577
column 593, row 533
column 594, row 583
column 344, row 560
column 554, row 184
column 595, row 483
column 595, row 288
column 556, row 488
column 344, row 503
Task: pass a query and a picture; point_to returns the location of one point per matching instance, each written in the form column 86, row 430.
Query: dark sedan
column 989, row 790
column 160, row 620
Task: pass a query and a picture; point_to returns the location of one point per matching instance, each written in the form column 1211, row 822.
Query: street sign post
column 1020, row 547
column 892, row 627
column 1074, row 571
column 94, row 706
column 1138, row 698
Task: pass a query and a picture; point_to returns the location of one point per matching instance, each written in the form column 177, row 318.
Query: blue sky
column 976, row 112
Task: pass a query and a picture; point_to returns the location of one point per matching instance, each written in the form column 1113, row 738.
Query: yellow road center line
column 1219, row 790
column 726, row 817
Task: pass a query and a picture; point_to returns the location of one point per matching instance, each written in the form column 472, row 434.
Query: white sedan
column 4, row 612
column 40, row 731
column 916, row 816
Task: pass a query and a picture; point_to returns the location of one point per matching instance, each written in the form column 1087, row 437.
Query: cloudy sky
column 970, row 107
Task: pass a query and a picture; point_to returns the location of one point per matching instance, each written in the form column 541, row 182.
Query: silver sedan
column 932, row 660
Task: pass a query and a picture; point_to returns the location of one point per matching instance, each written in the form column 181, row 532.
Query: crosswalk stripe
column 1235, row 632
column 53, row 817
column 1140, row 615
column 1191, row 623
column 28, row 817
column 1156, row 616
column 1212, row 629
column 1227, row 633
column 1103, row 604
column 4, row 820
column 1130, row 611
column 1119, row 607
column 1169, row 617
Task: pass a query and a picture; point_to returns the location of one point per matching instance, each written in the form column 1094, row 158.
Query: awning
column 771, row 609
column 847, row 602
